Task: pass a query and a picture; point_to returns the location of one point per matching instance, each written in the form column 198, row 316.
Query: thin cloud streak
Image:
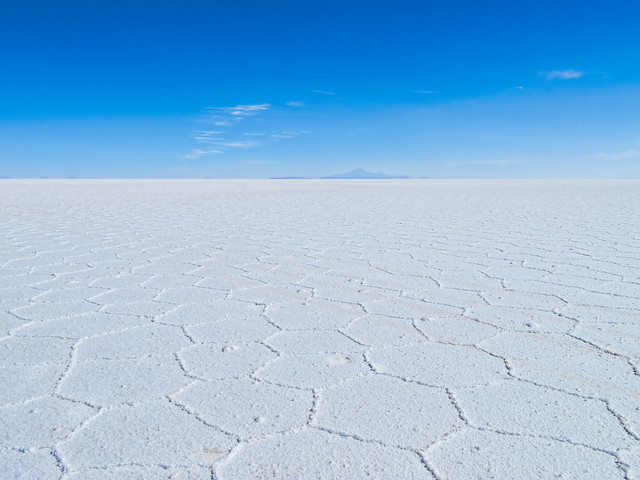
column 240, row 111
column 563, row 74
column 237, row 144
column 207, row 136
column 197, row 153
column 285, row 134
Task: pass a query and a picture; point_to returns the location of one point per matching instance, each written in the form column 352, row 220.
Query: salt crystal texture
column 320, row 329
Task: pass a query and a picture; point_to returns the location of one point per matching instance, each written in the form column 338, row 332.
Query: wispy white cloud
column 238, row 144
column 227, row 116
column 294, row 104
column 240, row 111
column 230, row 135
column 612, row 157
column 424, row 91
column 207, row 136
column 519, row 87
column 323, row 92
column 563, row 74
column 285, row 134
column 197, row 153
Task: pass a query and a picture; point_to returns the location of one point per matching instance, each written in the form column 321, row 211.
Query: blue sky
column 254, row 89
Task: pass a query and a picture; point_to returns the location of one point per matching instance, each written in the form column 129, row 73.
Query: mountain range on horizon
column 361, row 173
column 357, row 174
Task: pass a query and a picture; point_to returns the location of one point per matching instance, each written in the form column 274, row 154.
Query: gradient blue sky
column 256, row 89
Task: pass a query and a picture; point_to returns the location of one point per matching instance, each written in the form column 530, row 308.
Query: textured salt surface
column 320, row 329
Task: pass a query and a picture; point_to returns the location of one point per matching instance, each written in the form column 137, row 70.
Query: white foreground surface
column 320, row 329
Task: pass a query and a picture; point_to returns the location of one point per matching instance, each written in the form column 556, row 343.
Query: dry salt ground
column 320, row 329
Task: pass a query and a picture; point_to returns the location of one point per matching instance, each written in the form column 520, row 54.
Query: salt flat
column 320, row 329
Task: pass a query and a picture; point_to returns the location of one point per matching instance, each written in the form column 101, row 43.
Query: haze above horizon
column 251, row 89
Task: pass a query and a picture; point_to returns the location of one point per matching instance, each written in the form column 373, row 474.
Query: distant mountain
column 363, row 174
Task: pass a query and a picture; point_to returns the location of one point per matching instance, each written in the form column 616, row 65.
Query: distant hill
column 363, row 174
